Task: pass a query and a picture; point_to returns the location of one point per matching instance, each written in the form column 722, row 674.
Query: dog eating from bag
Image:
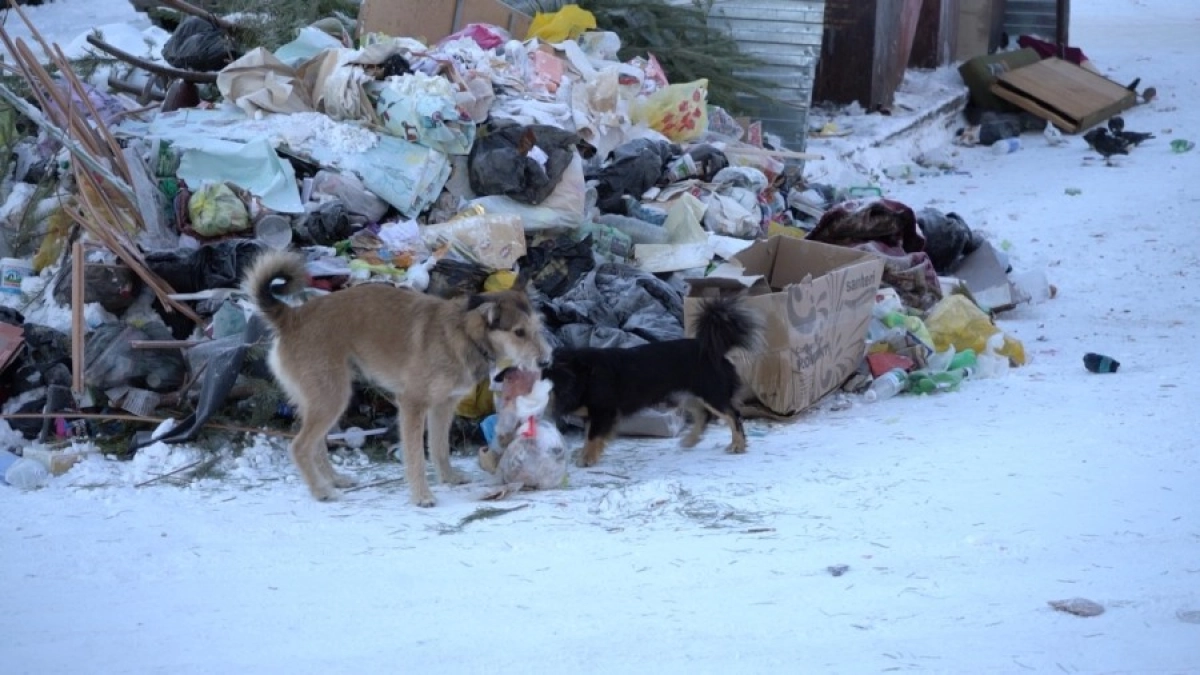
column 525, row 452
column 693, row 372
column 427, row 351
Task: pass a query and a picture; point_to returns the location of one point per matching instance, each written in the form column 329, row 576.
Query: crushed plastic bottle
column 887, row 385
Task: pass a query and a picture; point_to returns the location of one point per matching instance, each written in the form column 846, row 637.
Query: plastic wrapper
column 524, row 449
column 957, row 321
column 567, row 23
column 493, row 240
column 678, row 111
column 215, row 210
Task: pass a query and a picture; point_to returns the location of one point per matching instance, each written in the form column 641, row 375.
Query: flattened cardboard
column 985, row 277
column 1071, row 97
column 815, row 300
column 11, row 339
column 432, row 21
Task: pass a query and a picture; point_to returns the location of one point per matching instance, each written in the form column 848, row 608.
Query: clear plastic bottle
column 886, row 385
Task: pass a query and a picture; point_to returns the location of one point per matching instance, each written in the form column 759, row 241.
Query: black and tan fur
column 694, row 372
column 427, row 351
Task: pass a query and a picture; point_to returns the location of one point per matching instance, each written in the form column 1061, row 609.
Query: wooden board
column 1070, row 97
column 432, row 20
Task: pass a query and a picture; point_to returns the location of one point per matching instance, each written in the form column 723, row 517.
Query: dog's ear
column 486, row 306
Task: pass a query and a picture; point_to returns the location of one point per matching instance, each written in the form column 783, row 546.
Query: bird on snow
column 1106, row 144
column 1117, row 126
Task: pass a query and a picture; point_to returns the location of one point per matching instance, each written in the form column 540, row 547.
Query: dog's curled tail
column 724, row 324
column 273, row 275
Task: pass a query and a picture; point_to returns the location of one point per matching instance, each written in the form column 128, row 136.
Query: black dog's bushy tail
column 725, row 324
column 273, row 275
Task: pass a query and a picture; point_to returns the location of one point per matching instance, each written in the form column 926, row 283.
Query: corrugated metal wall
column 1031, row 17
column 786, row 35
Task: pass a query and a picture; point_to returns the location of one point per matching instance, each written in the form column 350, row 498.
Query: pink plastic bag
column 485, row 35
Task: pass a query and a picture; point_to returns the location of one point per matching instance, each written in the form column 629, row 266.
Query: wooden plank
column 1071, row 97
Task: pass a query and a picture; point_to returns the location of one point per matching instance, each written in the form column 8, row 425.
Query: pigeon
column 1116, row 125
column 1106, row 144
column 1133, row 137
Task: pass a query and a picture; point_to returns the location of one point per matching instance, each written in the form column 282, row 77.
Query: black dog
column 609, row 383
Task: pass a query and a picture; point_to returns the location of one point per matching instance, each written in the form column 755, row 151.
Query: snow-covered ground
column 958, row 517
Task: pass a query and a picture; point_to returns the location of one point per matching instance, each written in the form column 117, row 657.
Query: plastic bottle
column 964, row 359
column 1006, row 146
column 886, row 385
column 928, row 382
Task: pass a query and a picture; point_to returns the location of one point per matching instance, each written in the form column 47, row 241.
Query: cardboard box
column 432, row 21
column 980, row 73
column 1071, row 97
column 816, row 300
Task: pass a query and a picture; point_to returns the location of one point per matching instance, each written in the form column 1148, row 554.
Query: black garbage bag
column 632, row 169
column 199, row 45
column 521, row 162
column 221, row 371
column 554, row 263
column 450, row 278
column 44, row 349
column 216, row 265
column 112, row 361
column 709, row 161
column 326, row 225
column 115, row 287
column 948, row 239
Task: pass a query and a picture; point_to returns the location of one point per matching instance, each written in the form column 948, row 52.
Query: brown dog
column 428, row 352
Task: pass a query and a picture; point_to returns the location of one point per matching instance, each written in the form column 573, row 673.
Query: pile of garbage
column 480, row 161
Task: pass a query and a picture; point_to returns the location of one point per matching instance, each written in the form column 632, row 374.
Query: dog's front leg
column 600, row 427
column 441, row 416
column 412, row 438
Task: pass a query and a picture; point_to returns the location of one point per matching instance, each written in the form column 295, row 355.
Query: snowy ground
column 959, row 516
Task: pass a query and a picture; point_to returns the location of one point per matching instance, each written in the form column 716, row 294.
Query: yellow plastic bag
column 567, row 23
column 955, row 320
column 478, row 403
column 679, row 111
column 500, row 280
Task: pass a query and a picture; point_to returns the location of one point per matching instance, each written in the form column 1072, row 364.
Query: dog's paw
column 325, row 493
column 341, row 480
column 584, row 461
column 736, row 448
column 689, row 442
column 454, row 477
column 424, row 501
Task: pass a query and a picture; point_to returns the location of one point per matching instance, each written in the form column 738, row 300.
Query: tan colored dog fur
column 427, row 351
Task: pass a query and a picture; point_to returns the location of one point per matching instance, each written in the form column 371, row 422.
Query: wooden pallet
column 1070, row 97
